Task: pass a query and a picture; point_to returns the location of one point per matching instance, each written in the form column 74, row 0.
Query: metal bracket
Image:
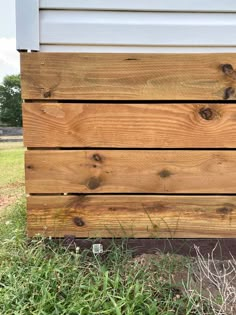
column 97, row 249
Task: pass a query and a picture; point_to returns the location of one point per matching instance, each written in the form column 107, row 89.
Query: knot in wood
column 206, row 113
column 47, row 94
column 131, row 59
column 165, row 174
column 225, row 210
column 227, row 69
column 78, row 221
column 230, row 91
column 93, row 183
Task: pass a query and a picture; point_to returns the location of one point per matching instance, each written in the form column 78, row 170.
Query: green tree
column 10, row 101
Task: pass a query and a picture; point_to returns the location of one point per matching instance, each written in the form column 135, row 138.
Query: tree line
column 10, row 101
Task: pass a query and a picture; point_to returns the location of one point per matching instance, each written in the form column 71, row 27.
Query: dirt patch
column 11, row 186
column 9, row 194
column 6, row 201
column 208, row 283
column 206, row 280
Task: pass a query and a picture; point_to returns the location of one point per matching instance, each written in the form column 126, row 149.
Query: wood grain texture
column 73, row 76
column 130, row 125
column 132, row 216
column 135, row 171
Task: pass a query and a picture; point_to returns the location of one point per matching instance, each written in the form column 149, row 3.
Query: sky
column 9, row 57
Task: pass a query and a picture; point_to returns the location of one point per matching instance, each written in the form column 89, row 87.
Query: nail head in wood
column 97, row 157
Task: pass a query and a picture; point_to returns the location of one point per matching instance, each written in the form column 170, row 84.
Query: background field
column 11, row 173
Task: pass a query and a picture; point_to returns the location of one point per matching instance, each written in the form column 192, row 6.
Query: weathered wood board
column 74, row 76
column 129, row 125
column 91, row 129
column 130, row 171
column 132, row 216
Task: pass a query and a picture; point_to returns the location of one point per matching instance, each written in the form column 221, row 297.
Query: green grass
column 11, row 164
column 11, row 173
column 44, row 278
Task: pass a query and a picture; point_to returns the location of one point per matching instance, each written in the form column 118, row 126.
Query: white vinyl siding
column 143, row 5
column 134, row 49
column 126, row 26
column 136, row 28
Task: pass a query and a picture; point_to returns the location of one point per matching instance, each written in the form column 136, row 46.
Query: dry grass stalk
column 211, row 285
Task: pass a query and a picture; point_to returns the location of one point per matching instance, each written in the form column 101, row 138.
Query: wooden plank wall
column 130, row 145
column 73, row 76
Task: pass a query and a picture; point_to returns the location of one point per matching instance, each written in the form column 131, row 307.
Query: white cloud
column 9, row 57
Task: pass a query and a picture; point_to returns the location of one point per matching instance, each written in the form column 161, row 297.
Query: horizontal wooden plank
column 130, row 125
column 135, row 171
column 132, row 216
column 75, row 76
column 150, row 5
column 119, row 28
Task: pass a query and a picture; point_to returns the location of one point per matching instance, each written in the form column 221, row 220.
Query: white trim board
column 134, row 49
column 143, row 5
column 116, row 28
column 27, row 25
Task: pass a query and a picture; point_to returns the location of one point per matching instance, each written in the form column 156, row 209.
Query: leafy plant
column 10, row 101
